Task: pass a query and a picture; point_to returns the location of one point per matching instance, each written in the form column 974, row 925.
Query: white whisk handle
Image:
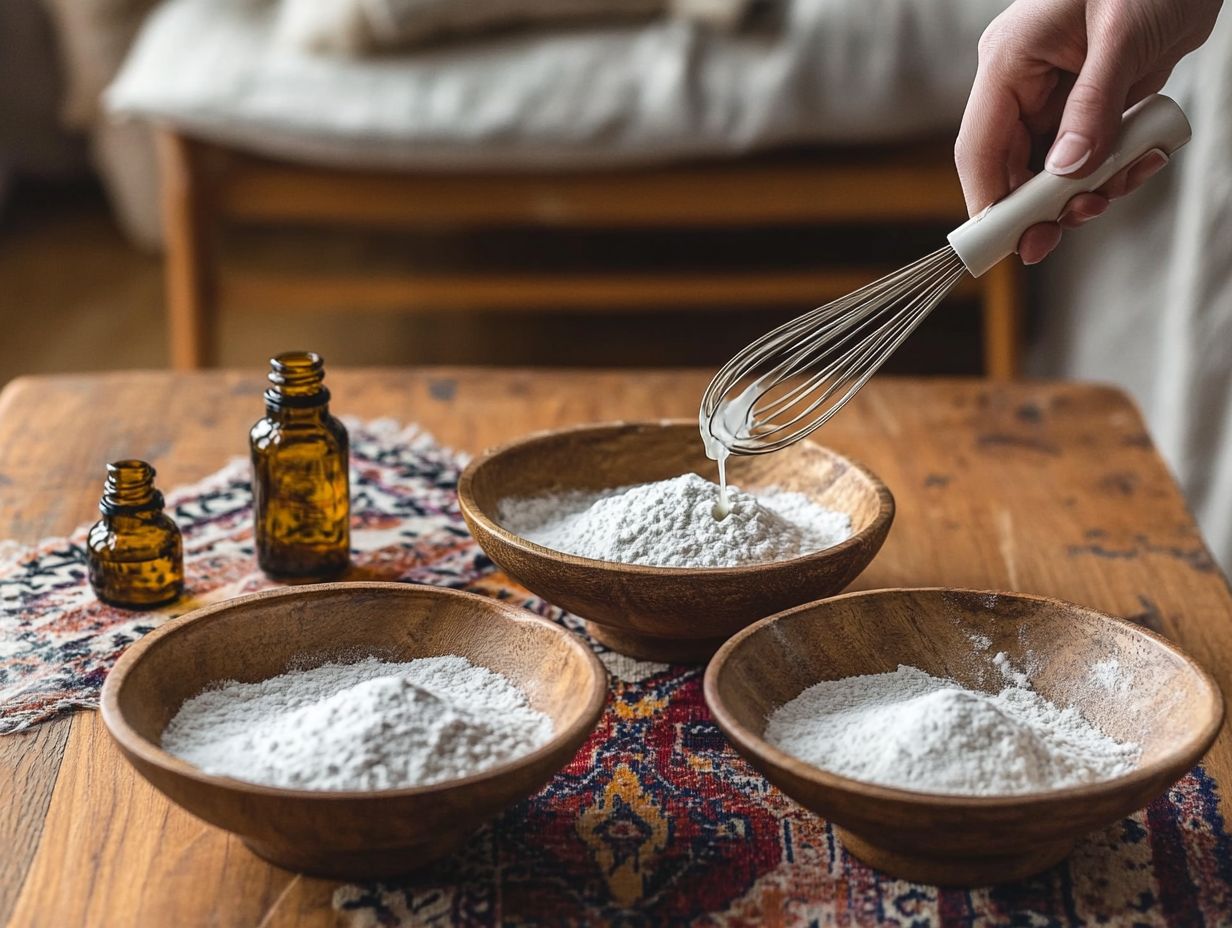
column 986, row 238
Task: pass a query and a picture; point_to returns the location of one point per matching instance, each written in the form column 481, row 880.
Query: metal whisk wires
column 793, row 379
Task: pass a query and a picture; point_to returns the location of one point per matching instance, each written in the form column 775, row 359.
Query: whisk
column 790, row 381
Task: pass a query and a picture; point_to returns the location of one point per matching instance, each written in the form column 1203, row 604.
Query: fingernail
column 1149, row 165
column 1068, row 154
column 1087, row 215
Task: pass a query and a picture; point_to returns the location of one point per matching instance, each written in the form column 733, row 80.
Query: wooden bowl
column 668, row 613
column 349, row 834
column 1169, row 705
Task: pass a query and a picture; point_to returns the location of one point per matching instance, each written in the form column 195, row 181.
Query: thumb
column 1091, row 120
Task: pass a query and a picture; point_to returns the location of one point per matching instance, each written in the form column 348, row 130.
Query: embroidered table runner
column 656, row 821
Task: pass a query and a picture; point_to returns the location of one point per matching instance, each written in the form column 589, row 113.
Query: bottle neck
column 129, row 489
column 296, row 383
column 281, row 412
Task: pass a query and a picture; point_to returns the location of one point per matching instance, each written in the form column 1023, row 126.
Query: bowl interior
column 1132, row 685
column 255, row 638
column 607, row 456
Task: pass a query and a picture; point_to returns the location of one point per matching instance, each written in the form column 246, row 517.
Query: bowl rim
column 879, row 525
column 1194, row 747
column 131, row 741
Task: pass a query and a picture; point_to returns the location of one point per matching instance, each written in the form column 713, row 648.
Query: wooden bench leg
column 1003, row 303
column 187, row 226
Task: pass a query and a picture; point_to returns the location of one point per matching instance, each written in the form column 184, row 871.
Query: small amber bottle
column 300, row 480
column 135, row 553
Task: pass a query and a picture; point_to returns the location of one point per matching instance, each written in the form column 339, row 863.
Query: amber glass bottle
column 300, row 483
column 135, row 554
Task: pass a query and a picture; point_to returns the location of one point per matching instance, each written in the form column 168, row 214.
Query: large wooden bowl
column 1168, row 704
column 668, row 613
column 350, row 834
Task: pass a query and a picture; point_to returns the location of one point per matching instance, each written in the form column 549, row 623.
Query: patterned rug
column 656, row 821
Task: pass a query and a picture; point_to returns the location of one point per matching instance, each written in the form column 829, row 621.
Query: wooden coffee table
column 1044, row 488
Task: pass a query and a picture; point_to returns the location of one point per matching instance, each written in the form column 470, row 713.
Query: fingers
column 1083, row 208
column 1091, row 119
column 1131, row 178
column 1145, row 168
column 1038, row 241
column 1151, row 83
column 992, row 146
column 985, row 144
column 1018, row 166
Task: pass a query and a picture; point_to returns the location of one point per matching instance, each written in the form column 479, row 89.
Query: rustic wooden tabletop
column 1044, row 488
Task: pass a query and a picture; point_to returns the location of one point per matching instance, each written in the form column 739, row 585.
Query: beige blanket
column 357, row 27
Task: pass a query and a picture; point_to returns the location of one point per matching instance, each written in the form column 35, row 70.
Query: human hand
column 1062, row 72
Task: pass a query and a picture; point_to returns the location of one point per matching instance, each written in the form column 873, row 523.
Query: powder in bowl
column 914, row 731
column 671, row 523
column 368, row 725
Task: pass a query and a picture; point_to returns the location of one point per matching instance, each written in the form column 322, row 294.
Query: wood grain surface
column 1052, row 489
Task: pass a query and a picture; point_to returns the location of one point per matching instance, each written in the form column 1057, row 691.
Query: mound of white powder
column 915, row 731
column 671, row 523
column 362, row 726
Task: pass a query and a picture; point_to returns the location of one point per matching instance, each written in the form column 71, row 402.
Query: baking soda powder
column 916, row 731
column 672, row 523
column 362, row 726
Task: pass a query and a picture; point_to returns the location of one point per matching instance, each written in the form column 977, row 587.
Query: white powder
column 979, row 642
column 1108, row 675
column 671, row 523
column 915, row 731
column 361, row 726
column 1011, row 674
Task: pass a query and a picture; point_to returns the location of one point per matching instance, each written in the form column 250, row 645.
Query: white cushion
column 829, row 71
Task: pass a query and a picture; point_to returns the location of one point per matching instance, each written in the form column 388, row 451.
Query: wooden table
column 1052, row 489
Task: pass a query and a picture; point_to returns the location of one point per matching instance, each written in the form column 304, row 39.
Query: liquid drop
column 720, row 429
column 722, row 507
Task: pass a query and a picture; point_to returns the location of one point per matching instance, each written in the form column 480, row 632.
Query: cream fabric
column 358, row 27
column 837, row 71
column 1143, row 296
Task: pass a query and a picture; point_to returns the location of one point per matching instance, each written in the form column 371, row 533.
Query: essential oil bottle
column 300, row 480
column 135, row 553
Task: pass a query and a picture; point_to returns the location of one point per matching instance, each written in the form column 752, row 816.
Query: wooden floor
column 75, row 296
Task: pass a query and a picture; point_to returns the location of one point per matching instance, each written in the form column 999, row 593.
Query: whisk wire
column 790, row 381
